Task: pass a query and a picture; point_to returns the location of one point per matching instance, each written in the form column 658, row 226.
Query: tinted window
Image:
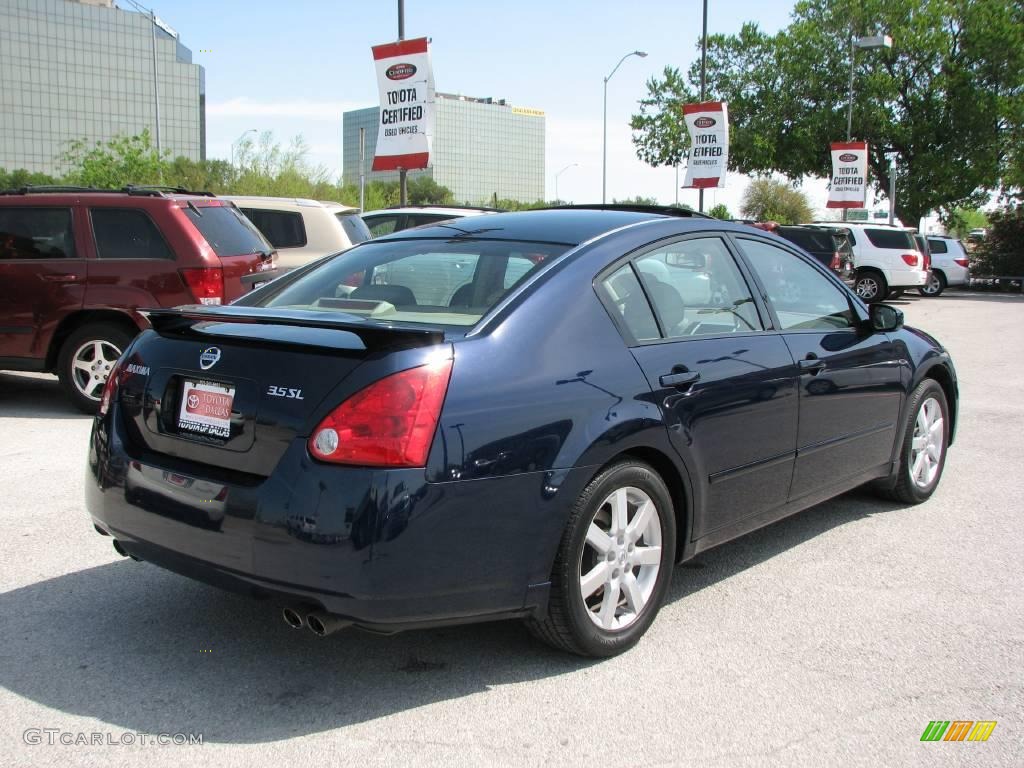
column 627, row 297
column 381, row 225
column 436, row 282
column 896, row 239
column 808, row 239
column 354, row 227
column 697, row 289
column 227, row 231
column 842, row 242
column 803, row 298
column 36, row 233
column 124, row 233
column 938, row 246
column 284, row 229
column 419, row 219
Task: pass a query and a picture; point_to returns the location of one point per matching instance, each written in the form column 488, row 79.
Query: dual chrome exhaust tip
column 321, row 623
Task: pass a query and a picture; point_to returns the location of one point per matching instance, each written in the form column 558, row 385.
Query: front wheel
column 86, row 359
column 923, row 449
column 935, row 286
column 870, row 286
column 614, row 563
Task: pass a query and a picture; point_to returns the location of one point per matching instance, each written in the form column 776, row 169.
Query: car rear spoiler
column 228, row 322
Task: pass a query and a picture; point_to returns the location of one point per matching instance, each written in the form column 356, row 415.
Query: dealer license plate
column 206, row 409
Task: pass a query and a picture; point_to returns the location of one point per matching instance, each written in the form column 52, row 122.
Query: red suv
column 76, row 264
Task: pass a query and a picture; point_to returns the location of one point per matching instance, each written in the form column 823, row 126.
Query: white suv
column 302, row 230
column 950, row 265
column 388, row 220
column 885, row 258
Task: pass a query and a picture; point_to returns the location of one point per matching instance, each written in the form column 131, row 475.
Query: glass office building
column 481, row 148
column 84, row 70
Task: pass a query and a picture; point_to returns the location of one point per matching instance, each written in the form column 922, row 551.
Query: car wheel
column 614, row 563
column 936, row 285
column 870, row 286
column 85, row 361
column 923, row 450
column 895, row 293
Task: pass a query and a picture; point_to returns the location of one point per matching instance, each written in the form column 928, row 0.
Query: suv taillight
column 110, row 388
column 837, row 262
column 911, row 259
column 927, row 261
column 390, row 423
column 206, row 284
column 964, row 262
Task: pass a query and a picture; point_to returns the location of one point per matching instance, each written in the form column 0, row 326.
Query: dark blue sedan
column 528, row 415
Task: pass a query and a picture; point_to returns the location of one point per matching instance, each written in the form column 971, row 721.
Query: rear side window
column 227, row 231
column 627, row 297
column 127, row 233
column 284, row 229
column 894, row 239
column 36, row 233
column 354, row 227
column 382, row 225
column 938, row 246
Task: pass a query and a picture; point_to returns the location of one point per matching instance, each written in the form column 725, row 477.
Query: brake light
column 962, row 262
column 110, row 387
column 205, row 283
column 390, row 423
column 911, row 259
column 837, row 262
column 927, row 261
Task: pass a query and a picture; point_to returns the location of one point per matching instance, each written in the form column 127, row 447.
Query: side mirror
column 885, row 318
column 686, row 260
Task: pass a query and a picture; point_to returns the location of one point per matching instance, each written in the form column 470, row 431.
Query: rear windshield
column 897, row 239
column 437, row 282
column 354, row 227
column 227, row 231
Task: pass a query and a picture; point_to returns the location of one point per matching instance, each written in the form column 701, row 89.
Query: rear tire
column 870, row 286
column 614, row 564
column 85, row 361
column 924, row 444
column 935, row 286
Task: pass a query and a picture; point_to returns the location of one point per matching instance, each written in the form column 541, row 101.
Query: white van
column 302, row 230
column 885, row 258
column 950, row 264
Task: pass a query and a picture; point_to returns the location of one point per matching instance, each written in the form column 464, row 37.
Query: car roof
column 567, row 226
column 446, row 209
column 301, row 202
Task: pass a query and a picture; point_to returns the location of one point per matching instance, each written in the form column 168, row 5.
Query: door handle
column 679, row 379
column 63, row 278
column 812, row 365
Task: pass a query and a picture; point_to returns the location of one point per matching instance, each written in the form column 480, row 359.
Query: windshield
column 227, row 231
column 437, row 282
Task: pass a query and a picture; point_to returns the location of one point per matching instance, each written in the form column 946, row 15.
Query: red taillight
column 927, row 261
column 391, row 423
column 962, row 262
column 110, row 388
column 206, row 284
column 911, row 259
column 837, row 262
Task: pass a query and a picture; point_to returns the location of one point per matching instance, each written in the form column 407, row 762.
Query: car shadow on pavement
column 145, row 650
column 35, row 396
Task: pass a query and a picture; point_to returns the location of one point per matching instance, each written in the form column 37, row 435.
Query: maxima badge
column 209, row 358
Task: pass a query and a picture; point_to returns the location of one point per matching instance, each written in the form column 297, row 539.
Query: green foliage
column 19, row 178
column 947, row 97
column 423, row 190
column 116, row 163
column 720, row 211
column 771, row 200
column 1002, row 250
column 638, row 200
column 960, row 221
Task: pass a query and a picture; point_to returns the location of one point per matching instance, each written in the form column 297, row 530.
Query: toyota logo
column 193, row 401
column 704, row 122
column 847, row 157
column 209, row 358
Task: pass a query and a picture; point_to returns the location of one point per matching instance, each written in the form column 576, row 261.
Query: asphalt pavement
column 830, row 638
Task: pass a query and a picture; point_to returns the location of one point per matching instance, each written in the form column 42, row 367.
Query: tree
column 20, row 177
column 1002, row 250
column 771, row 200
column 720, row 212
column 947, row 97
column 423, row 190
column 960, row 221
column 638, row 200
column 121, row 161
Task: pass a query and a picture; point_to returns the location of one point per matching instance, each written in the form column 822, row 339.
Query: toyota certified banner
column 708, row 124
column 849, row 187
column 406, row 85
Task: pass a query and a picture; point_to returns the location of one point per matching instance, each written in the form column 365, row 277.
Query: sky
column 294, row 67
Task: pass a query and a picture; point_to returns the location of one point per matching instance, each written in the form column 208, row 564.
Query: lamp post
column 869, row 43
column 604, row 146
column 238, row 141
column 570, row 165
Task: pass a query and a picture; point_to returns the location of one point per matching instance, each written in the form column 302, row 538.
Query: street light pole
column 570, row 165
column 604, row 143
column 871, row 43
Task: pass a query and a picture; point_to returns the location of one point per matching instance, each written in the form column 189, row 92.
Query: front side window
column 36, row 233
column 697, row 289
column 803, row 298
column 284, row 229
column 127, row 233
column 437, row 282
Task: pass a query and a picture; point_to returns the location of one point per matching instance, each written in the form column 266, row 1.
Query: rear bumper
column 907, row 278
column 383, row 548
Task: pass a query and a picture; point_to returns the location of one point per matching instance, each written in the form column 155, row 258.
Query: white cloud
column 299, row 108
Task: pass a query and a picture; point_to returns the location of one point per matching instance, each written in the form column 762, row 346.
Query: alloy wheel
column 91, row 365
column 621, row 558
column 933, row 286
column 867, row 288
column 927, row 444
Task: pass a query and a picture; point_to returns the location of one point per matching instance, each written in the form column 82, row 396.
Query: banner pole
column 703, row 82
column 403, row 188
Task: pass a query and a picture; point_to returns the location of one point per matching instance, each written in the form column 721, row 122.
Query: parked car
column 950, row 265
column 543, row 438
column 302, row 230
column 388, row 220
column 829, row 246
column 77, row 264
column 885, row 259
